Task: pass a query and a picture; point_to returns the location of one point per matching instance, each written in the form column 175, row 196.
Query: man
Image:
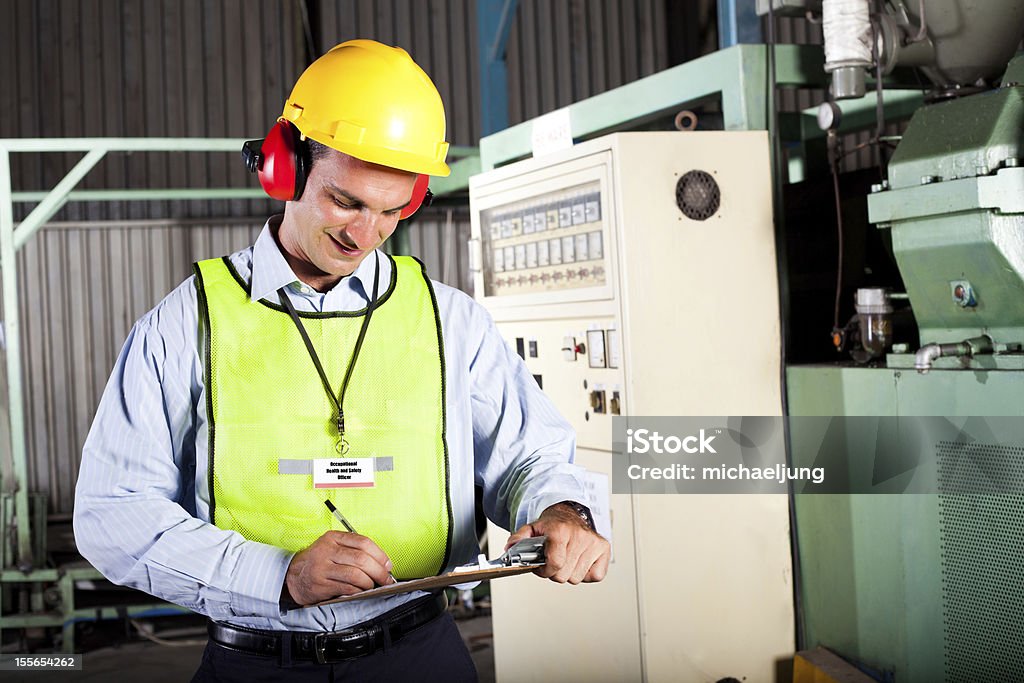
column 232, row 397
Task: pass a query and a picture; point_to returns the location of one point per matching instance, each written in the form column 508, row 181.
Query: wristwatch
column 583, row 511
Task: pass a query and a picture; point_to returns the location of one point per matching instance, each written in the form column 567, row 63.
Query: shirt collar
column 270, row 270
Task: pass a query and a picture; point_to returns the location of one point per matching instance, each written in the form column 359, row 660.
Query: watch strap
column 583, row 511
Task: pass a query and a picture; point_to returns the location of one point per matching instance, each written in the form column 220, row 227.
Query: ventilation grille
column 981, row 540
column 980, row 468
column 697, row 195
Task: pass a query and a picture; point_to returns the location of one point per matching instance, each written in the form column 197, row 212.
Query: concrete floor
column 153, row 663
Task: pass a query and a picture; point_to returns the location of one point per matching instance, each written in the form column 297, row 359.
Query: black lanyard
column 338, row 401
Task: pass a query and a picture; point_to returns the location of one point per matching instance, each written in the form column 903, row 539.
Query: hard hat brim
column 391, row 158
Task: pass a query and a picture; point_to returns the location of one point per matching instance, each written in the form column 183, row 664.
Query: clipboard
column 524, row 556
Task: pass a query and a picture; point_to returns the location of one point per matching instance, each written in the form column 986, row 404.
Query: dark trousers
column 433, row 652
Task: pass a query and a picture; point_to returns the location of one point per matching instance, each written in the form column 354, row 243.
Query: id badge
column 341, row 473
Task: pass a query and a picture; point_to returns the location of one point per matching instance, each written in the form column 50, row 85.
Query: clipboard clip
column 528, row 551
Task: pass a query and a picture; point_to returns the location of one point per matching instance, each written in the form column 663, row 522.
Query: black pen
column 340, row 517
column 351, row 529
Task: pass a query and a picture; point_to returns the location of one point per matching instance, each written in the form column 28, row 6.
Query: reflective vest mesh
column 266, row 402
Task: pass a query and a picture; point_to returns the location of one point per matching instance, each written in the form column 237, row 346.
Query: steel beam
column 145, row 194
column 738, row 75
column 122, row 144
column 738, row 22
column 459, row 178
column 493, row 19
column 1002, row 192
column 12, row 337
column 49, row 574
column 861, row 113
column 57, row 197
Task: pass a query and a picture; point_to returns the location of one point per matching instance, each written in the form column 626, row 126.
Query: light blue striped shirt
column 142, row 503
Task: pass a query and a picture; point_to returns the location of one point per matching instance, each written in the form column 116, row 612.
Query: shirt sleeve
column 134, row 513
column 523, row 447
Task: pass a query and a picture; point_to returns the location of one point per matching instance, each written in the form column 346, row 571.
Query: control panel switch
column 569, row 348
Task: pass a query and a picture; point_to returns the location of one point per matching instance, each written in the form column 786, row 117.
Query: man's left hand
column 574, row 553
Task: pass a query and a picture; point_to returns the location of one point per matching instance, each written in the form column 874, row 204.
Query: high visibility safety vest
column 266, row 403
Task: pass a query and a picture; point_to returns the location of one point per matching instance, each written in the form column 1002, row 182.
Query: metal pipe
column 12, row 335
column 738, row 22
column 57, row 197
column 925, row 356
column 922, row 32
column 501, row 34
column 968, row 348
column 147, row 194
column 492, row 26
column 152, row 223
column 122, row 144
column 151, row 145
column 848, row 39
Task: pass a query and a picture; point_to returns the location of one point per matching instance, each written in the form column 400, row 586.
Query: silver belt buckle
column 320, row 647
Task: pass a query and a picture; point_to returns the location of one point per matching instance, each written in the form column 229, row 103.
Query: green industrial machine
column 929, row 586
column 953, row 203
column 917, row 586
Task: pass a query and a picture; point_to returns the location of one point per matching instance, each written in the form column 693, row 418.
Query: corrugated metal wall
column 563, row 52
column 145, row 68
column 222, row 68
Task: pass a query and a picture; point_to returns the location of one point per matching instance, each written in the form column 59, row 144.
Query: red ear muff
column 421, row 196
column 281, row 162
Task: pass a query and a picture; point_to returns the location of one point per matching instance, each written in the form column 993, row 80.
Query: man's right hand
column 338, row 563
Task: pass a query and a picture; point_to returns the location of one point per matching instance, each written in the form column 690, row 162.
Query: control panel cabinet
column 636, row 275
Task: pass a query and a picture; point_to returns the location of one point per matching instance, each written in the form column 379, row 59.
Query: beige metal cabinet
column 636, row 274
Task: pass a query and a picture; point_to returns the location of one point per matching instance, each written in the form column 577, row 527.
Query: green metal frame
column 67, row 615
column 458, row 181
column 738, row 75
column 12, row 239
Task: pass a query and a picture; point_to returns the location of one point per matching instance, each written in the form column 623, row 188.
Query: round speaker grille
column 697, row 195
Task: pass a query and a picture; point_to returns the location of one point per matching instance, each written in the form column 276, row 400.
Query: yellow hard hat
column 372, row 102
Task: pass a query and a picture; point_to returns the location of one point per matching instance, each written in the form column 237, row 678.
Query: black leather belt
column 325, row 648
